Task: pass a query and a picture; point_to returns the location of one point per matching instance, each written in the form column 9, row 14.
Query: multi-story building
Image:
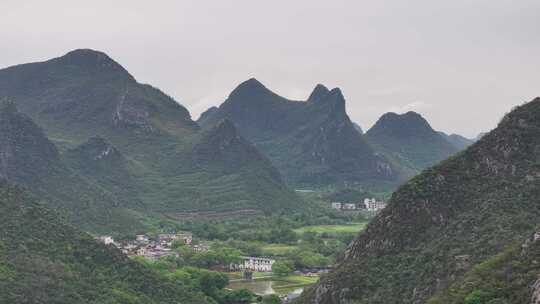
column 254, row 264
column 374, row 205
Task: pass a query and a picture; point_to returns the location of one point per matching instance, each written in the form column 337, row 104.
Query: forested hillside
column 113, row 152
column 449, row 225
column 45, row 260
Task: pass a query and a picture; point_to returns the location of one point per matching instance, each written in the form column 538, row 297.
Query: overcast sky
column 462, row 63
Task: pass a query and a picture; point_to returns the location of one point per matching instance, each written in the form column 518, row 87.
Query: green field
column 287, row 284
column 278, row 249
column 348, row 228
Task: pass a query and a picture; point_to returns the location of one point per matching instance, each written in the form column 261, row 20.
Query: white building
column 105, row 239
column 141, row 238
column 374, row 205
column 254, row 264
column 349, row 206
column 336, row 205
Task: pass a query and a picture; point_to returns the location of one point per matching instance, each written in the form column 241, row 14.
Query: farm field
column 278, row 249
column 347, row 228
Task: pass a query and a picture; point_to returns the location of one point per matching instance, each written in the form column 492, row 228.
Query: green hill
column 455, row 217
column 44, row 260
column 409, row 140
column 313, row 143
column 458, row 141
column 30, row 159
column 132, row 148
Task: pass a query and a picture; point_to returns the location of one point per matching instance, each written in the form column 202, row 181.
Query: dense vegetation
column 458, row 141
column 312, row 143
column 30, row 159
column 503, row 278
column 44, row 260
column 114, row 152
column 457, row 215
column 283, row 237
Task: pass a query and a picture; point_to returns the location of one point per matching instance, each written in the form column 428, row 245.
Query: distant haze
column 462, row 64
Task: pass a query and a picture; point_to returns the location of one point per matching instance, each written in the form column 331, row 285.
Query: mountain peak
column 250, row 92
column 318, row 93
column 335, row 100
column 410, row 121
column 90, row 59
column 250, row 84
column 337, row 93
column 409, row 138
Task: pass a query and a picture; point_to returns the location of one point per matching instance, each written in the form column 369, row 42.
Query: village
column 154, row 249
column 255, row 272
column 244, row 271
column 162, row 246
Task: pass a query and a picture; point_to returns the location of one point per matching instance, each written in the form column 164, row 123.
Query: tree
column 309, row 259
column 240, row 296
column 478, row 297
column 282, row 268
column 210, row 280
column 271, row 299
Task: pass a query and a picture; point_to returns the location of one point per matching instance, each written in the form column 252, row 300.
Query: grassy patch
column 348, row 228
column 278, row 249
column 290, row 283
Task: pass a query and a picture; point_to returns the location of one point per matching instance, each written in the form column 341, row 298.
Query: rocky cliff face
column 311, row 142
column 448, row 219
column 535, row 298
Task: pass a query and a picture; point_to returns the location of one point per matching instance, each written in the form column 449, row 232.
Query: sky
column 462, row 64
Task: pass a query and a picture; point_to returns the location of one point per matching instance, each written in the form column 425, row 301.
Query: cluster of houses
column 156, row 248
column 369, row 204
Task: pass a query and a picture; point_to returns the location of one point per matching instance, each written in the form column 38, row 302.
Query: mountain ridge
column 316, row 136
column 86, row 103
